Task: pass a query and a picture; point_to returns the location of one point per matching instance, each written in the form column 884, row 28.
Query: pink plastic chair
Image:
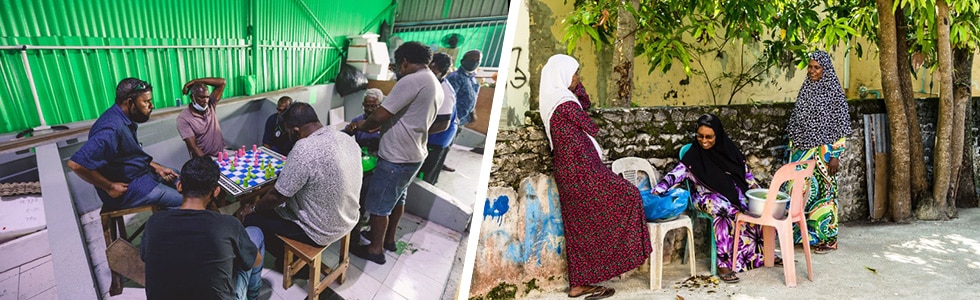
column 783, row 227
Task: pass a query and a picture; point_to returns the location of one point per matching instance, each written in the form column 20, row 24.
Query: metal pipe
column 30, row 80
column 33, row 47
column 295, row 47
column 452, row 21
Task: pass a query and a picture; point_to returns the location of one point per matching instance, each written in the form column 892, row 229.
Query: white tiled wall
column 28, row 271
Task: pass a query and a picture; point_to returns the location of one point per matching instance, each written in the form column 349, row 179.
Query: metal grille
column 484, row 34
column 430, row 10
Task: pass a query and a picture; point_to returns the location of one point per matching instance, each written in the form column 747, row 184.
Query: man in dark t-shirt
column 275, row 136
column 194, row 253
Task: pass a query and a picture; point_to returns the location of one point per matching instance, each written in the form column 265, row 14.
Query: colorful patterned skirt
column 821, row 207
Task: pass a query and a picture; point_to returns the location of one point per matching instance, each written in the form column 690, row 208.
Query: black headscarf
column 720, row 168
column 820, row 115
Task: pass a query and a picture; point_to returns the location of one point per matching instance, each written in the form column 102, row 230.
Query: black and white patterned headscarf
column 820, row 115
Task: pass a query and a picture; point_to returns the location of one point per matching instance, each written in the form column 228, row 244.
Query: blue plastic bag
column 670, row 205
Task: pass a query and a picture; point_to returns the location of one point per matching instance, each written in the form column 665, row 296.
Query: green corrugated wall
column 487, row 37
column 283, row 43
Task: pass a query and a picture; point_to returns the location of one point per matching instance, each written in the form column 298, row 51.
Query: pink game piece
column 254, row 148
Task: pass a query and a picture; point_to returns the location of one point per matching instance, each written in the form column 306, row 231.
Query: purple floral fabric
column 723, row 211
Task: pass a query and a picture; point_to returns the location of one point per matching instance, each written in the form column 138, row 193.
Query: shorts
column 389, row 186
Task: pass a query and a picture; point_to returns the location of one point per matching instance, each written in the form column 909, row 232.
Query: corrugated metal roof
column 431, row 10
column 296, row 43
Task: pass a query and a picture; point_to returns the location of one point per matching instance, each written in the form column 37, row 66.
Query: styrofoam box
column 363, row 39
column 21, row 215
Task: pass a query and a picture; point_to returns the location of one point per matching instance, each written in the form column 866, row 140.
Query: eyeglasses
column 139, row 88
column 142, row 86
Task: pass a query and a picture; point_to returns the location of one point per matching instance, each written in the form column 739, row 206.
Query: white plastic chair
column 628, row 167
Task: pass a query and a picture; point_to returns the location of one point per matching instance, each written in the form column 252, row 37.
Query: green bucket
column 368, row 161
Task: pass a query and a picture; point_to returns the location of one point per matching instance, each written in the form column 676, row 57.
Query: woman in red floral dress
column 605, row 230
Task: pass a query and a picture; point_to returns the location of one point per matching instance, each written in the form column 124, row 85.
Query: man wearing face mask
column 198, row 124
column 466, row 86
column 114, row 161
column 275, row 136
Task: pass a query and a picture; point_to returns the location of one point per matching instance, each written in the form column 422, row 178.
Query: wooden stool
column 311, row 256
column 114, row 227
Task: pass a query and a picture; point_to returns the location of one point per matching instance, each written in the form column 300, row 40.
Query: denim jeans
column 389, row 186
column 250, row 281
column 162, row 195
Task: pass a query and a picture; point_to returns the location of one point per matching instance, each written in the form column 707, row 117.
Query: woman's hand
column 833, row 166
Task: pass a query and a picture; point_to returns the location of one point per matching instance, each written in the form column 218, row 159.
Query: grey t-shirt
column 322, row 177
column 414, row 101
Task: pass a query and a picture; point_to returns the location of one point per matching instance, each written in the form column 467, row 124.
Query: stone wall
column 658, row 133
column 520, row 246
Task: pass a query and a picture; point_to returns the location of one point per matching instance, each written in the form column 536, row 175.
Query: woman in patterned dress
column 717, row 168
column 605, row 231
column 817, row 130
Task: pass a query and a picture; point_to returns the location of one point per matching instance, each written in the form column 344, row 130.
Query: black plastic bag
column 350, row 80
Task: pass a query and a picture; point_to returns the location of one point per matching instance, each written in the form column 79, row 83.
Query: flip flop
column 778, row 261
column 729, row 277
column 596, row 292
column 822, row 249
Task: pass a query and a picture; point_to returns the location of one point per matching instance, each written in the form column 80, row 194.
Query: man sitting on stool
column 114, row 161
column 319, row 183
column 275, row 136
column 194, row 253
column 198, row 124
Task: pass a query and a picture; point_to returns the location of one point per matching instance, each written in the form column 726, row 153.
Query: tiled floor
column 421, row 271
column 462, row 183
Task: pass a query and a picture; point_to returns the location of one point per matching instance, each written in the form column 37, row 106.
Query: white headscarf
column 556, row 76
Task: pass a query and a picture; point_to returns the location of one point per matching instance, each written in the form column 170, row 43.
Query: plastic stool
column 658, row 231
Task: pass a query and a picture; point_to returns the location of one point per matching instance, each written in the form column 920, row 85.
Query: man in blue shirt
column 466, row 86
column 114, row 161
column 275, row 136
column 369, row 139
column 439, row 142
column 467, row 89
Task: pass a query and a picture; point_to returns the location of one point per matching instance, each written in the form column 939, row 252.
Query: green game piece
column 232, row 168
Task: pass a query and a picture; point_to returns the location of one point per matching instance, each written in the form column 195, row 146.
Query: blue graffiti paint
column 496, row 210
column 543, row 230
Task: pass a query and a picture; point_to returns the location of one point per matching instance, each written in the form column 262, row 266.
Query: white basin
column 757, row 200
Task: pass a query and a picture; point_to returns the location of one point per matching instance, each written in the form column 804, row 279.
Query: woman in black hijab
column 717, row 168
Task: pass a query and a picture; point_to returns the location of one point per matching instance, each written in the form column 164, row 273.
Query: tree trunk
column 899, row 207
column 920, row 184
column 965, row 189
column 942, row 158
column 620, row 88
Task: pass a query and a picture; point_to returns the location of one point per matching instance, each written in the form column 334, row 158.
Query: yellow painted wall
column 674, row 88
column 585, row 51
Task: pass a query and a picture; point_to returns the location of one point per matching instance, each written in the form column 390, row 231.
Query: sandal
column 778, row 261
column 729, row 277
column 595, row 292
column 823, row 249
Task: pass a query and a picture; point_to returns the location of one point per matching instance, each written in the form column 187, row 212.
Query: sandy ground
column 921, row 260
